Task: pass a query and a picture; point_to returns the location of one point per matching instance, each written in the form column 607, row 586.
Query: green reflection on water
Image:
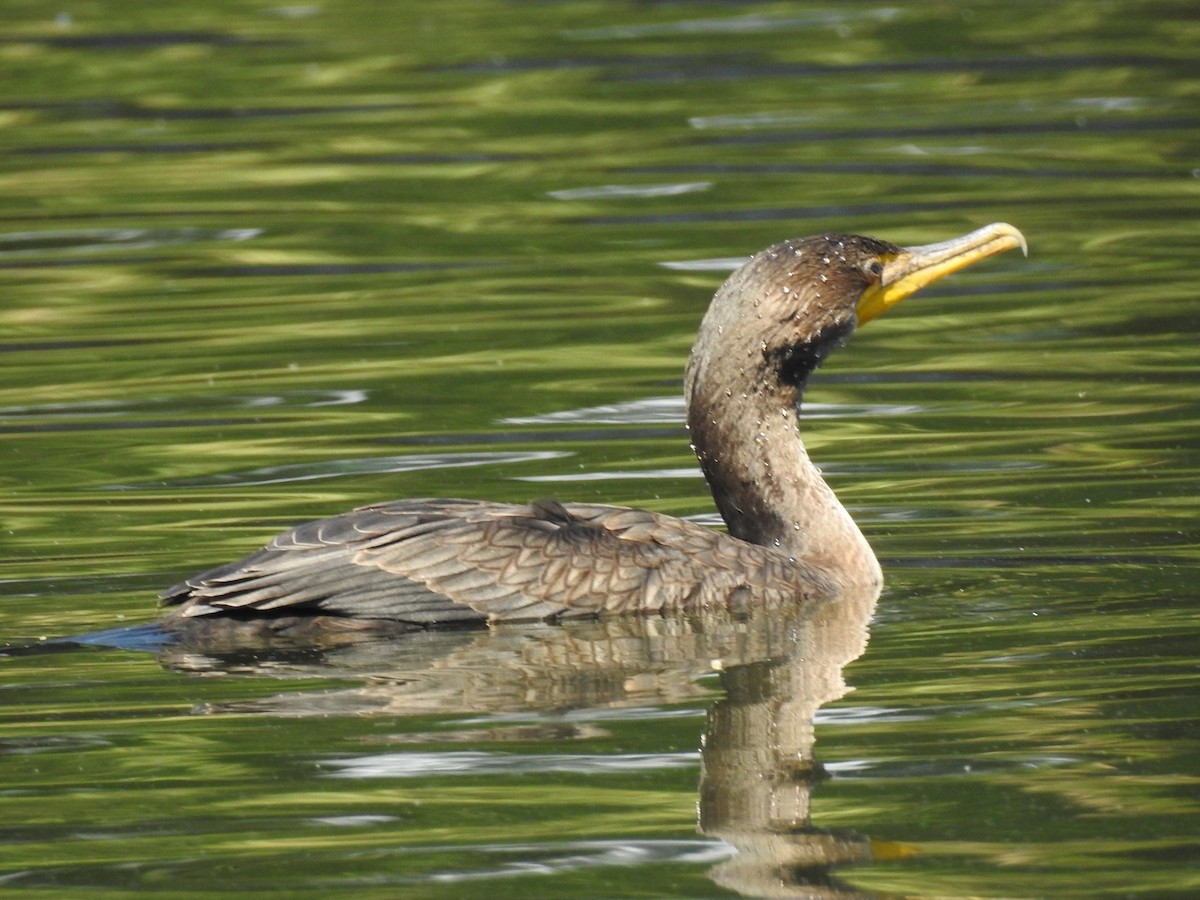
column 320, row 237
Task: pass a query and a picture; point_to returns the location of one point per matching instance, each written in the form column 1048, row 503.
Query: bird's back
column 446, row 562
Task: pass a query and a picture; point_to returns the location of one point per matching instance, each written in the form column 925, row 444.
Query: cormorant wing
column 441, row 562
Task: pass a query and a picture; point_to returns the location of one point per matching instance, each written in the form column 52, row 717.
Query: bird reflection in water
column 776, row 666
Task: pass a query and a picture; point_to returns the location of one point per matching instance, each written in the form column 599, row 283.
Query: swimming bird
column 439, row 562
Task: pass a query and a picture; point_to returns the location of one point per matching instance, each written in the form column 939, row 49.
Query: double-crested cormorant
column 440, row 562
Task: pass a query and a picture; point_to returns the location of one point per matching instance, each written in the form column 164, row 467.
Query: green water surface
column 260, row 264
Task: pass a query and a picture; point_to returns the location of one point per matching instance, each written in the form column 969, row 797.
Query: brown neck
column 744, row 431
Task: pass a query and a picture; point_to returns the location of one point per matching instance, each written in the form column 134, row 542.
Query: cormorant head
column 794, row 303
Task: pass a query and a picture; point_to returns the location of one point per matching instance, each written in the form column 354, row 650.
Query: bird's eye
column 875, row 268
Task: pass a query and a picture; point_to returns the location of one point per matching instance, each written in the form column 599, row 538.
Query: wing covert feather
column 445, row 561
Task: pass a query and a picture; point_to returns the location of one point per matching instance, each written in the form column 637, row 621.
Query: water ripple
column 552, row 858
column 109, row 407
column 95, row 240
column 650, row 474
column 610, row 191
column 424, row 765
column 334, row 468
